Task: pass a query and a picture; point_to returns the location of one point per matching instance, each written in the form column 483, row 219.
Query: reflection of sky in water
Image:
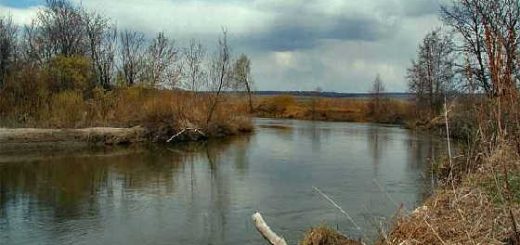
column 204, row 193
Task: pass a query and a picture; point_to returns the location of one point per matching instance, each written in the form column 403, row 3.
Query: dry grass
column 161, row 112
column 67, row 109
column 332, row 109
column 326, row 236
column 469, row 212
column 463, row 216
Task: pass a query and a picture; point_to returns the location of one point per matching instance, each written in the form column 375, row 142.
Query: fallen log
column 266, row 231
column 196, row 130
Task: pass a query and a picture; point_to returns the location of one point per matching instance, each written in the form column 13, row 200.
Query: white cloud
column 184, row 17
column 20, row 16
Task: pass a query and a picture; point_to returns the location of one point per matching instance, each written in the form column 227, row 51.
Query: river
column 206, row 192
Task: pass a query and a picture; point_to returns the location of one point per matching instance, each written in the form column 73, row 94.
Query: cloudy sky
column 338, row 45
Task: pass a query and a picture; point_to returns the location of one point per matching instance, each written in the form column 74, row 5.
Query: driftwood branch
column 196, row 130
column 266, row 231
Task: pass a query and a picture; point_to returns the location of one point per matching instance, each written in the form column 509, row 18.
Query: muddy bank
column 107, row 136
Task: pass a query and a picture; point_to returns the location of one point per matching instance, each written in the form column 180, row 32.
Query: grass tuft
column 324, row 235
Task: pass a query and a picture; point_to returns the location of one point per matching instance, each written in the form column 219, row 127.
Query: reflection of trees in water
column 71, row 186
column 216, row 154
column 422, row 152
column 421, row 149
column 65, row 185
column 241, row 150
column 377, row 138
column 219, row 203
column 316, row 132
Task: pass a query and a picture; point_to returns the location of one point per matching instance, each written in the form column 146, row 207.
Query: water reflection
column 204, row 193
column 376, row 144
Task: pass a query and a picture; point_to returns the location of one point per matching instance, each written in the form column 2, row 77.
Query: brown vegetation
column 325, row 236
column 477, row 211
column 71, row 68
column 334, row 109
column 161, row 112
column 478, row 201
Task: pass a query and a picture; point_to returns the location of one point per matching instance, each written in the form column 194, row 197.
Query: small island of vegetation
column 72, row 68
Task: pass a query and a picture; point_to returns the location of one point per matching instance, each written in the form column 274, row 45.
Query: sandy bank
column 109, row 136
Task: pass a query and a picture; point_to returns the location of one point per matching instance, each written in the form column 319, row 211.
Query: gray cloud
column 339, row 45
column 306, row 33
column 420, row 7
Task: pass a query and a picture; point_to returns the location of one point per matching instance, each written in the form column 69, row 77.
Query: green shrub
column 69, row 73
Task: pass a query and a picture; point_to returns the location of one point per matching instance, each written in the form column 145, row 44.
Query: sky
column 337, row 45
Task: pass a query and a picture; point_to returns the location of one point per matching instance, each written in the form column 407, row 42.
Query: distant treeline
column 404, row 96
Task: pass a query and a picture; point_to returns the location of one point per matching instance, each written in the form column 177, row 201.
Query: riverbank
column 111, row 136
column 482, row 208
column 107, row 136
column 479, row 205
column 477, row 200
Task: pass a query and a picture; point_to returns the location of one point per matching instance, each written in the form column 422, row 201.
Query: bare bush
column 8, row 46
column 431, row 74
column 131, row 56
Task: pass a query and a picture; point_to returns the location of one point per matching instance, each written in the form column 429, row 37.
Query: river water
column 205, row 193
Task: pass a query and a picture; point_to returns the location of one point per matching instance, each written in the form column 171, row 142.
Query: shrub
column 24, row 94
column 69, row 73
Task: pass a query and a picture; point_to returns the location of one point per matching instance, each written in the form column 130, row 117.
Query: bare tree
column 242, row 77
column 102, row 38
column 60, row 30
column 464, row 17
column 31, row 45
column 220, row 74
column 193, row 58
column 431, row 75
column 491, row 44
column 489, row 29
column 376, row 100
column 8, row 46
column 501, row 19
column 161, row 58
column 131, row 55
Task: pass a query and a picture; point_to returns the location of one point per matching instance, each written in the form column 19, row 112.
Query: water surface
column 205, row 193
